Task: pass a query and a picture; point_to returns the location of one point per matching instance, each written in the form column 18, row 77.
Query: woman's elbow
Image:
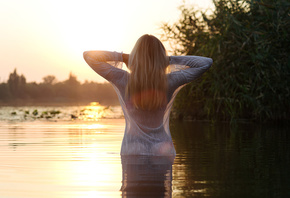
column 85, row 54
column 210, row 62
column 87, row 58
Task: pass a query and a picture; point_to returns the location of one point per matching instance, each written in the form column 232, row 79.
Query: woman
column 146, row 93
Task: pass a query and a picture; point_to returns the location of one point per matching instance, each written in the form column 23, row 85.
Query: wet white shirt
column 147, row 132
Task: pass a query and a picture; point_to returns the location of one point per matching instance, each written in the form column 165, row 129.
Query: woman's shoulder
column 117, row 75
column 176, row 79
column 175, row 74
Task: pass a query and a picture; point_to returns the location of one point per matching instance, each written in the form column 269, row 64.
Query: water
column 221, row 161
column 79, row 157
column 92, row 112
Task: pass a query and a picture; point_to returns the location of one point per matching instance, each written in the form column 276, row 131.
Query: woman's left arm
column 197, row 66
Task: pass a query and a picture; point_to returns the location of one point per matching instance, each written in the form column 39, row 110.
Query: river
column 67, row 152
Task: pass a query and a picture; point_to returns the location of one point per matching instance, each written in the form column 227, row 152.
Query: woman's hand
column 125, row 58
column 168, row 59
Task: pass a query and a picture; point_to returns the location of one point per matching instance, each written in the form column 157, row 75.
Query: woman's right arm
column 103, row 62
column 197, row 65
column 125, row 58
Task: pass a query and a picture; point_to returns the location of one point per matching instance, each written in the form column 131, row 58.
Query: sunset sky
column 47, row 37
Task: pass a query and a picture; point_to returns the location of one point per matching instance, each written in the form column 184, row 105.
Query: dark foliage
column 249, row 42
column 18, row 92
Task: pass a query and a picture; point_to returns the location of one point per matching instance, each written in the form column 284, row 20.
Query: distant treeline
column 16, row 91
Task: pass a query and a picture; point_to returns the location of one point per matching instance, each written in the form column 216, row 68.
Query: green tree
column 49, row 79
column 70, row 91
column 17, row 85
column 70, row 88
column 72, row 80
column 4, row 92
column 249, row 43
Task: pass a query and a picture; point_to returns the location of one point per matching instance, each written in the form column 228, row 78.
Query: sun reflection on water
column 93, row 112
column 95, row 126
column 60, row 159
column 95, row 167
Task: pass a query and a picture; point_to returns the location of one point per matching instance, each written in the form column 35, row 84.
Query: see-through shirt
column 147, row 132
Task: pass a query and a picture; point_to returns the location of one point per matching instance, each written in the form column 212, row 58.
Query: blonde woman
column 146, row 93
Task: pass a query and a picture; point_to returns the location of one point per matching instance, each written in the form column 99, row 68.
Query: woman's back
column 145, row 129
column 147, row 126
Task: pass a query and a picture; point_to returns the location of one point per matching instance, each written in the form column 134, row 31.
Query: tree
column 72, row 80
column 49, row 79
column 5, row 94
column 70, row 88
column 17, row 84
column 249, row 43
column 70, row 91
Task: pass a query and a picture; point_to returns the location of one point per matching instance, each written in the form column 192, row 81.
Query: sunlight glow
column 93, row 112
column 89, row 25
column 61, row 159
column 95, row 126
column 93, row 171
column 49, row 37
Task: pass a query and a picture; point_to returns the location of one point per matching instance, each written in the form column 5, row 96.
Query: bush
column 249, row 43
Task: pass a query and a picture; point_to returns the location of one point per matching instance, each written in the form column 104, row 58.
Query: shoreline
column 51, row 104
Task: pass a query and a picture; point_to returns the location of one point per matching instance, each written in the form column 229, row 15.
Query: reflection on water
column 76, row 159
column 247, row 160
column 146, row 176
column 60, row 159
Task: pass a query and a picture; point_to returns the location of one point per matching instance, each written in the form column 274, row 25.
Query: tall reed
column 249, row 43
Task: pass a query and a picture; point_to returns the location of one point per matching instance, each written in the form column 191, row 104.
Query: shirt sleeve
column 193, row 66
column 104, row 63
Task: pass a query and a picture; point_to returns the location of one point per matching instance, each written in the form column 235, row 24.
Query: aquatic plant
column 35, row 112
column 54, row 112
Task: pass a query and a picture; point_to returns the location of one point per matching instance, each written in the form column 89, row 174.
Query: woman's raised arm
column 197, row 65
column 103, row 62
column 102, row 56
column 125, row 59
column 191, row 61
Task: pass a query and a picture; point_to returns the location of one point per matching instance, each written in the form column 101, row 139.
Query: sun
column 90, row 25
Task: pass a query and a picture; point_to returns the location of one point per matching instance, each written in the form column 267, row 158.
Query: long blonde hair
column 147, row 83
